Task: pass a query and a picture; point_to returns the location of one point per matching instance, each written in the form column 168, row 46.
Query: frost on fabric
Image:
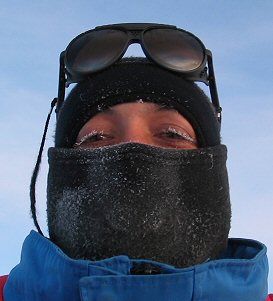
column 211, row 161
column 140, row 201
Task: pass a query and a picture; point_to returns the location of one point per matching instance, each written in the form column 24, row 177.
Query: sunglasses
column 167, row 46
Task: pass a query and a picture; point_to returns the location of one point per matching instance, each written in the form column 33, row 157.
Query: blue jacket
column 46, row 273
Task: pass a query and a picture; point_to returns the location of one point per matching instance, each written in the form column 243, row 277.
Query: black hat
column 136, row 79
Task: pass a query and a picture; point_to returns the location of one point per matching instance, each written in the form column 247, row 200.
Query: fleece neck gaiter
column 141, row 201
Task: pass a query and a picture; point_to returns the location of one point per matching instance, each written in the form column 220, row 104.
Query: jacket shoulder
column 3, row 280
column 269, row 297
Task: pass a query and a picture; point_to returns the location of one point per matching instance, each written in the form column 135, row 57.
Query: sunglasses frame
column 135, row 31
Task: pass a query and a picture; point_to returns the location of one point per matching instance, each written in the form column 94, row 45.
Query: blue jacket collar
column 46, row 273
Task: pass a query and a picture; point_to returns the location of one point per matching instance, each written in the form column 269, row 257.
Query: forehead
column 139, row 113
column 139, row 108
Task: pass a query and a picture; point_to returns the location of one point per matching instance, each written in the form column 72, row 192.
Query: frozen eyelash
column 87, row 136
column 182, row 134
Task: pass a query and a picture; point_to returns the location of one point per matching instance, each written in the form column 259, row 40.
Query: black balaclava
column 138, row 200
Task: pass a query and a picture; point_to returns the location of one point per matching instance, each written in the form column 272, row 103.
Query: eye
column 177, row 134
column 92, row 139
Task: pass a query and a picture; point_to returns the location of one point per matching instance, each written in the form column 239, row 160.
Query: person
column 138, row 200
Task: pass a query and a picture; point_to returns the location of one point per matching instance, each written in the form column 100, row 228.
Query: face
column 145, row 123
column 133, row 199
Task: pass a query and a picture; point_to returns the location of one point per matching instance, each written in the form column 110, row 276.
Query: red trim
column 269, row 297
column 3, row 280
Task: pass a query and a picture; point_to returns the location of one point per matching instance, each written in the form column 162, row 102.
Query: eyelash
column 178, row 134
column 91, row 137
column 170, row 132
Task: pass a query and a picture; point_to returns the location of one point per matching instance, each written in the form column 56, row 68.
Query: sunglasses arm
column 61, row 88
column 212, row 87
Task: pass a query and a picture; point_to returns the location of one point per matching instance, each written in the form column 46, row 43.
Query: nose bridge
column 136, row 131
column 134, row 43
column 135, row 36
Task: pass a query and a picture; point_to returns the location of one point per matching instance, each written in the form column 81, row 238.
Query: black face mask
column 138, row 200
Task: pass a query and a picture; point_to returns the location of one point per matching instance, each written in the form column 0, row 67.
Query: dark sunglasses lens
column 174, row 49
column 94, row 51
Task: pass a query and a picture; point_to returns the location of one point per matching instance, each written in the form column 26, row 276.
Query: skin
column 145, row 123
